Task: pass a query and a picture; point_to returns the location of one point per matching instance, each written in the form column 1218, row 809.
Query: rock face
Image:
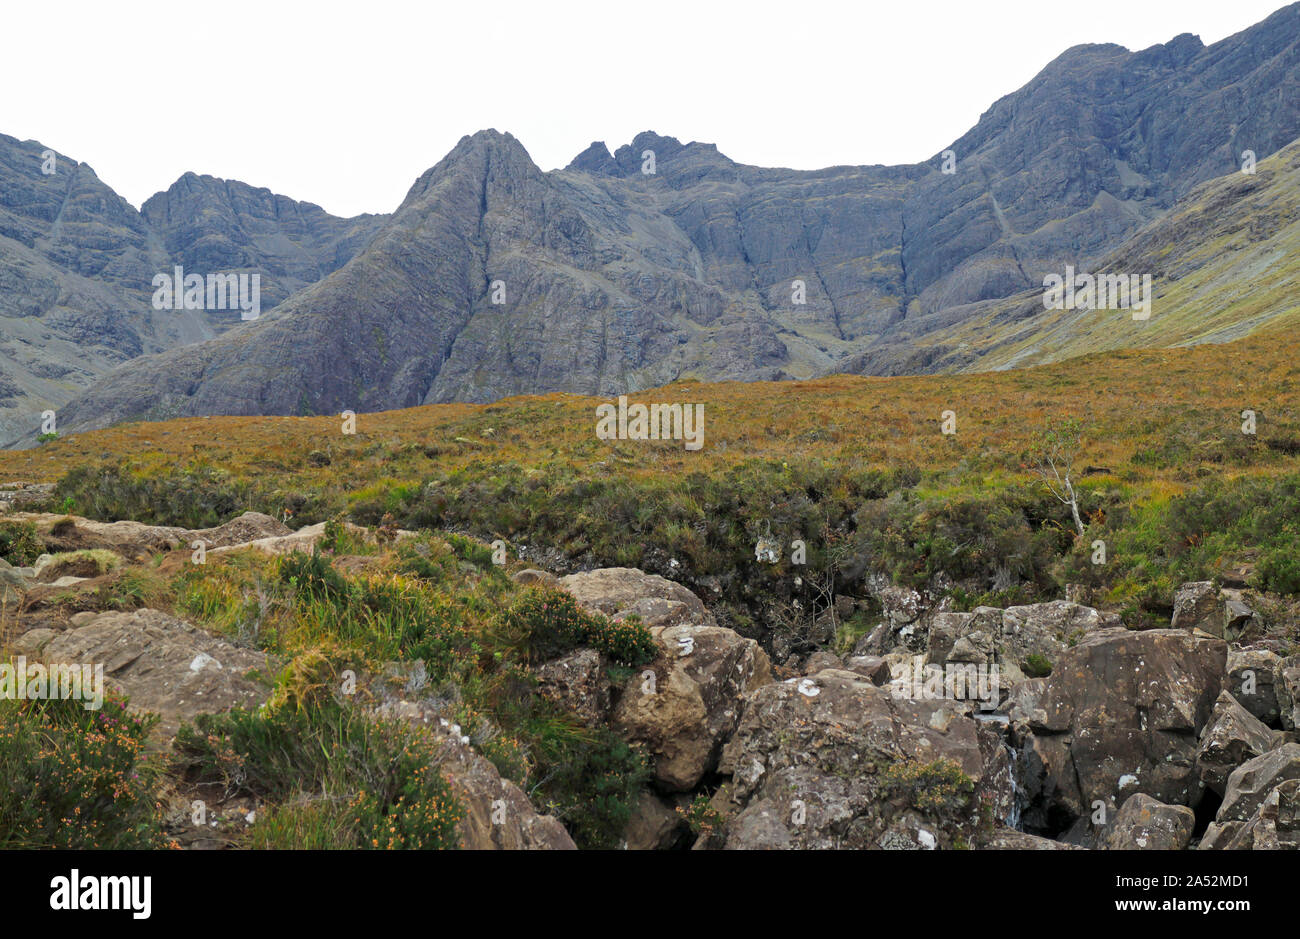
column 165, row 665
column 1121, row 713
column 825, row 762
column 613, row 278
column 1146, row 824
column 686, row 703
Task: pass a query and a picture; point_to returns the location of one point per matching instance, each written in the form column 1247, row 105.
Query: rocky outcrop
column 1252, row 680
column 1121, row 713
column 163, row 664
column 834, row 761
column 579, row 683
column 1015, row 637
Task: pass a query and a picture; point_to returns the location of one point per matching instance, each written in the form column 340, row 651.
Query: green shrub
column 19, row 544
column 73, row 778
column 935, row 788
column 1036, row 666
column 385, row 773
column 554, row 624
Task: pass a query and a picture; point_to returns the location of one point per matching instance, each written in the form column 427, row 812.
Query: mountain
column 611, row 278
column 77, row 264
column 1224, row 263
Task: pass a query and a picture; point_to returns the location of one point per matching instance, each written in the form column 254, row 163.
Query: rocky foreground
column 1160, row 739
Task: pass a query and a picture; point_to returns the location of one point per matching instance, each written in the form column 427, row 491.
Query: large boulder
column 1220, row 613
column 685, row 704
column 1120, row 714
column 1275, row 826
column 832, row 760
column 1231, row 737
column 251, row 526
column 165, row 665
column 1146, row 824
column 620, row 592
column 1252, row 679
column 1249, row 784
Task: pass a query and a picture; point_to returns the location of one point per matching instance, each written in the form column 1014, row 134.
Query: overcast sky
column 346, row 104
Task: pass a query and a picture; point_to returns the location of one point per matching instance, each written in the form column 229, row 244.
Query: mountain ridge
column 616, row 279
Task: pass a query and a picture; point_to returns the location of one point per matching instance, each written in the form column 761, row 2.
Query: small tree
column 1054, row 459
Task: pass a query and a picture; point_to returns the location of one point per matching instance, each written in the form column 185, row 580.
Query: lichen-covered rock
column 685, row 704
column 165, row 665
column 832, row 760
column 1231, row 737
column 1147, row 824
column 1120, row 714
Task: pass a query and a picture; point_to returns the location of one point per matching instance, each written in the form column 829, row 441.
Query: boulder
column 1121, row 713
column 1197, row 606
column 834, row 761
column 1287, row 688
column 251, row 526
column 620, row 592
column 1231, row 737
column 686, row 703
column 821, row 660
column 1249, row 784
column 304, row 539
column 1252, row 679
column 1146, row 824
column 530, row 576
column 165, row 665
column 1275, row 826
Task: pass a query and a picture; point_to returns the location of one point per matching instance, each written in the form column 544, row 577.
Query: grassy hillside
column 856, row 467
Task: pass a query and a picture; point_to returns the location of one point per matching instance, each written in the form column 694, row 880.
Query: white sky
column 345, row 104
